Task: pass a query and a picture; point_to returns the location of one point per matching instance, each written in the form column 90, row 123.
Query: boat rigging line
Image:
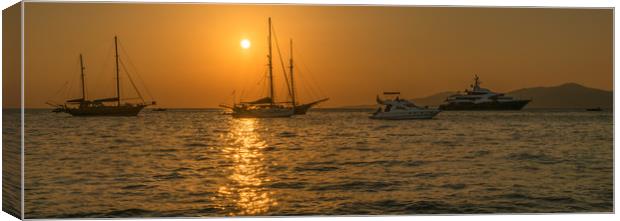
column 148, row 92
column 288, row 86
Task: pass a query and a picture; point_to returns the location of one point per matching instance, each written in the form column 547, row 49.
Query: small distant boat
column 479, row 98
column 594, row 109
column 401, row 109
column 102, row 107
column 160, row 109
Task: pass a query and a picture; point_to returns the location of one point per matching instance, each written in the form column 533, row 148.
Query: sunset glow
column 369, row 50
column 245, row 43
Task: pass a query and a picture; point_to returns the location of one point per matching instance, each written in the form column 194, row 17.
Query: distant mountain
column 569, row 95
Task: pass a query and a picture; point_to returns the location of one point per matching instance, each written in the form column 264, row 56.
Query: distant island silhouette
column 568, row 95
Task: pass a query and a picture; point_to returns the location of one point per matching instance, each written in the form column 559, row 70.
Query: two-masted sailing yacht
column 267, row 107
column 264, row 107
column 104, row 106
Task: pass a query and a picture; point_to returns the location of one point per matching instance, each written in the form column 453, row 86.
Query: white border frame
column 469, row 3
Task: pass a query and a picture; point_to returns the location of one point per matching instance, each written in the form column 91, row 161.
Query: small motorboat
column 594, row 109
column 401, row 109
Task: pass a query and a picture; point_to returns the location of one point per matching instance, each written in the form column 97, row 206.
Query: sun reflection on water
column 245, row 183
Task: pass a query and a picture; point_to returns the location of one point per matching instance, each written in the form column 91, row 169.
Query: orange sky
column 188, row 55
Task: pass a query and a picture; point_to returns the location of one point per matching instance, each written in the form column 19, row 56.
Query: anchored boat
column 264, row 107
column 267, row 107
column 103, row 106
column 479, row 98
column 401, row 109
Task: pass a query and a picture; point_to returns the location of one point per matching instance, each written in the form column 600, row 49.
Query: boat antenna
column 82, row 78
column 271, row 95
column 118, row 88
column 291, row 71
column 476, row 81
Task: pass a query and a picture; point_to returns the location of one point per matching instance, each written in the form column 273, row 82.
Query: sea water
column 197, row 163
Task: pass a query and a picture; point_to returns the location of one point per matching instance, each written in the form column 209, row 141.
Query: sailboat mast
column 292, row 79
column 118, row 88
column 82, row 77
column 271, row 95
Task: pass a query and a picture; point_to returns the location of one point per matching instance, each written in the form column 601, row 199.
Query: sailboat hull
column 263, row 113
column 301, row 109
column 82, row 107
column 106, row 111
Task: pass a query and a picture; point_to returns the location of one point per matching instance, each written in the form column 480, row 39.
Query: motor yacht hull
column 405, row 115
column 505, row 105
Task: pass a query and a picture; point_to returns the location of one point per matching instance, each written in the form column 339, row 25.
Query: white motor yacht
column 401, row 109
column 478, row 98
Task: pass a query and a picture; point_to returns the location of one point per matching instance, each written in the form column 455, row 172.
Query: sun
column 245, row 43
